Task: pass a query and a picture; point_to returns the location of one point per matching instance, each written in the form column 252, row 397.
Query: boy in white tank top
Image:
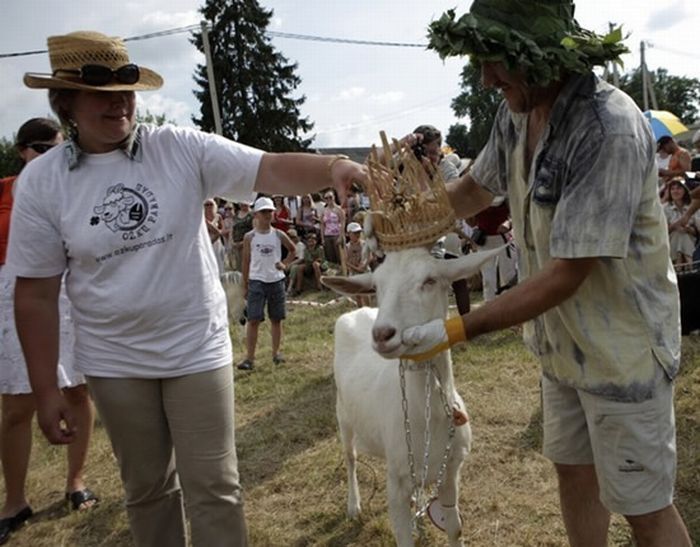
column 264, row 279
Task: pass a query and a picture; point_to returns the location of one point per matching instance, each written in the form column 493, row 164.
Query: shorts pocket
column 632, row 461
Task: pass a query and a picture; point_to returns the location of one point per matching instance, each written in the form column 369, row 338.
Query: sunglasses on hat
column 40, row 147
column 99, row 75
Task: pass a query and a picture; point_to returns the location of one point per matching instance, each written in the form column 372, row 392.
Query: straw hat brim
column 149, row 80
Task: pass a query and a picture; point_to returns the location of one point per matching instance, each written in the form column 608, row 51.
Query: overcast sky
column 352, row 91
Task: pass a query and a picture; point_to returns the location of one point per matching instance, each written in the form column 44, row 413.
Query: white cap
column 263, row 204
column 354, row 227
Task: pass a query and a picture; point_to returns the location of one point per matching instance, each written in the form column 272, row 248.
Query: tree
column 10, row 162
column 253, row 81
column 480, row 105
column 677, row 94
column 155, row 119
column 458, row 139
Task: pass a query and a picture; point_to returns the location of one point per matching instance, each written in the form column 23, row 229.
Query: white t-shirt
column 265, row 253
column 141, row 273
column 299, row 249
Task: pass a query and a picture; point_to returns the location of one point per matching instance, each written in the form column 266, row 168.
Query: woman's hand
column 55, row 417
column 344, row 173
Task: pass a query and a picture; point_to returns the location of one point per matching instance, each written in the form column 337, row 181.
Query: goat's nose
column 382, row 334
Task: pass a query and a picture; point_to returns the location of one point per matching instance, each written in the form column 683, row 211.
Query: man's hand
column 55, row 417
column 426, row 341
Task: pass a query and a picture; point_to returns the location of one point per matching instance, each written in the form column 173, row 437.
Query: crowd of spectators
column 679, row 174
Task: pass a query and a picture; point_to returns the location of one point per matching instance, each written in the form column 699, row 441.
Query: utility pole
column 647, row 84
column 615, row 73
column 212, row 83
column 645, row 76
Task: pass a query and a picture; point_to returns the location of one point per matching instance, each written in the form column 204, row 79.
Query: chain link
column 420, row 495
column 407, row 424
column 450, row 430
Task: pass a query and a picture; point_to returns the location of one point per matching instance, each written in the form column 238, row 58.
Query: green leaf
column 614, row 36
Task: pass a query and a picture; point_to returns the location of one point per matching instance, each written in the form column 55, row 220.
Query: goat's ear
column 466, row 266
column 357, row 285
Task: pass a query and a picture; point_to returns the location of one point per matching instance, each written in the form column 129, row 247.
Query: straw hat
column 73, row 51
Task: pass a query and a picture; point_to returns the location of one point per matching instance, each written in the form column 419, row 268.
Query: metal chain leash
column 422, row 499
column 450, row 430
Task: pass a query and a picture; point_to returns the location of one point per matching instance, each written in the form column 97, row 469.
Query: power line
column 385, row 117
column 168, row 32
column 342, row 40
column 675, row 51
column 272, row 33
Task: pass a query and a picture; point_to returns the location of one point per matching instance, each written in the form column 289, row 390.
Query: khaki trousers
column 170, row 431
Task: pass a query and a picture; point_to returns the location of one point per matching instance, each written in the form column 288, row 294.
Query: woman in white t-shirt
column 120, row 206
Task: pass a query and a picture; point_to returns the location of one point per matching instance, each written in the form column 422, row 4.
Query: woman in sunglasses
column 34, row 138
column 120, row 206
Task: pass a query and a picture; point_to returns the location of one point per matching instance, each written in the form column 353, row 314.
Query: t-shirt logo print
column 266, row 250
column 122, row 209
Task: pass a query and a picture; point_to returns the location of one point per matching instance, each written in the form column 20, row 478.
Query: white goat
column 412, row 289
column 232, row 283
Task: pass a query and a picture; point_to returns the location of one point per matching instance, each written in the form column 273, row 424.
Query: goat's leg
column 448, row 496
column 400, row 513
column 348, row 441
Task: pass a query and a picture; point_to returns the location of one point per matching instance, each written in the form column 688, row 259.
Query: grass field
column 292, row 469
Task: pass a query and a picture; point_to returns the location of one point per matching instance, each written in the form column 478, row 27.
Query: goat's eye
column 429, row 282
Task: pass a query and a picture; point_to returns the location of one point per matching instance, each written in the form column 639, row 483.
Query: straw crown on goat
column 409, row 205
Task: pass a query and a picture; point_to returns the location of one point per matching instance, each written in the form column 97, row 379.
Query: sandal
column 247, row 364
column 79, row 498
column 10, row 524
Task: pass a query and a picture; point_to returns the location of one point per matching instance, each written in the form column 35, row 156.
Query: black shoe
column 80, row 499
column 10, row 524
column 246, row 365
column 278, row 359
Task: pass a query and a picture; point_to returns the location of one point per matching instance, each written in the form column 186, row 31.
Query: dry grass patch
column 292, row 468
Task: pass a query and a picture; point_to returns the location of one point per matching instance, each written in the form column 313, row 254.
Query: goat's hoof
column 354, row 513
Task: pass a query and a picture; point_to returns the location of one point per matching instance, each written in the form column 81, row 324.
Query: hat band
column 99, row 75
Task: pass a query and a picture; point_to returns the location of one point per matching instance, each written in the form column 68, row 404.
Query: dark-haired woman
column 34, row 138
column 682, row 239
column 332, row 228
column 307, row 218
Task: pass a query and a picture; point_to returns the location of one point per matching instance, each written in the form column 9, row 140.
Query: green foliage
column 10, row 162
column 154, row 119
column 677, row 94
column 458, row 139
column 480, row 106
column 254, row 82
column 538, row 37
